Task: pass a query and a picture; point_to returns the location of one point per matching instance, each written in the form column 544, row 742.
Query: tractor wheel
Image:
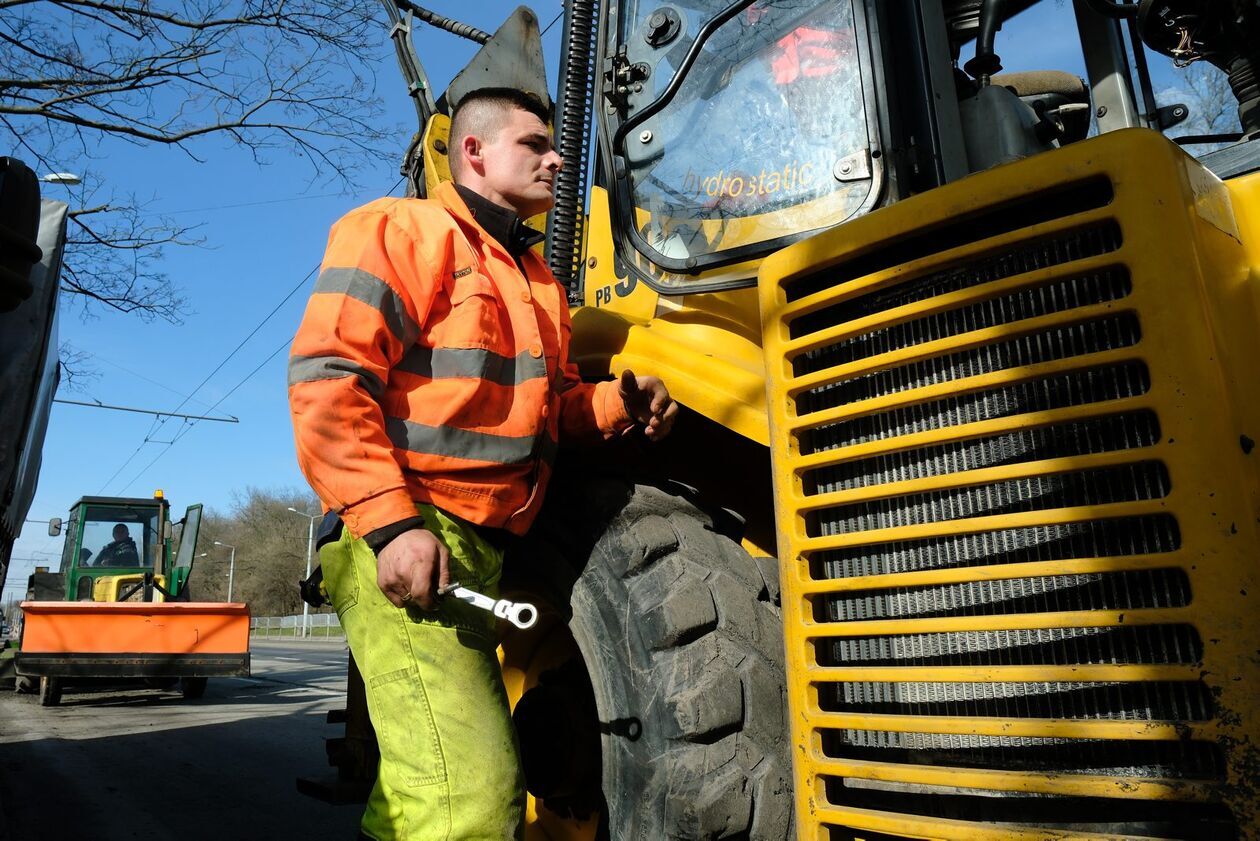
column 49, row 691
column 192, row 688
column 26, row 685
column 682, row 652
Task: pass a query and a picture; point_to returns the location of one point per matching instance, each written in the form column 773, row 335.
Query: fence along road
column 322, row 626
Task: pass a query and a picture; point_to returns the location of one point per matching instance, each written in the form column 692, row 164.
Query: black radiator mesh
column 1128, row 590
column 1105, row 430
column 1166, row 759
column 1128, row 701
column 1097, row 435
column 1105, row 816
column 1008, row 262
column 1107, row 538
column 1075, row 388
column 1064, row 342
column 959, row 231
column 1056, row 296
column 1102, row 486
column 1131, row 644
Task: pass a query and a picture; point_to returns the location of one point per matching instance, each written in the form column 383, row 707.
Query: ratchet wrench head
column 521, row 614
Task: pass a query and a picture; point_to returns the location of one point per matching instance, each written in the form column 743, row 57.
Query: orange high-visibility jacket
column 427, row 368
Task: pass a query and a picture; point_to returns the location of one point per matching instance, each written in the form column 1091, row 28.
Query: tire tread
column 711, row 669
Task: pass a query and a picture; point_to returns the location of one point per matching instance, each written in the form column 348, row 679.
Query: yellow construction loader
column 958, row 535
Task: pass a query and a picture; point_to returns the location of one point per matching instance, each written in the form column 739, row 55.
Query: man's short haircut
column 481, row 113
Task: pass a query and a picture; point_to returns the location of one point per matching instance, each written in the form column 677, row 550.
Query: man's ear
column 470, row 147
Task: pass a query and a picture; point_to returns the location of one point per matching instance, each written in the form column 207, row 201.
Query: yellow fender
column 708, row 367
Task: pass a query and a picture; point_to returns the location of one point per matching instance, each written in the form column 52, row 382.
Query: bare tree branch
column 76, row 371
column 273, row 76
column 1213, row 108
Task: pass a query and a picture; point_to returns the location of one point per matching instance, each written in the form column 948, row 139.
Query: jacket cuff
column 377, row 512
column 380, row 538
column 611, row 413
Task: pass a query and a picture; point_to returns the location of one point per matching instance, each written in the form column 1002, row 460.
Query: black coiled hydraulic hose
column 463, row 30
column 574, row 110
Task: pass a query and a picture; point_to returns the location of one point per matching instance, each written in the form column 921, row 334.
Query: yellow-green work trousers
column 450, row 768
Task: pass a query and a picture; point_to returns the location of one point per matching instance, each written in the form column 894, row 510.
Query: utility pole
column 310, row 546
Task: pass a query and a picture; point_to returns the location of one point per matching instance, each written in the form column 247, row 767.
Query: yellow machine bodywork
column 706, row 346
column 1104, row 298
column 1106, row 294
column 109, row 588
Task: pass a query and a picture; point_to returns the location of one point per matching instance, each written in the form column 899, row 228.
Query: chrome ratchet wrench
column 521, row 614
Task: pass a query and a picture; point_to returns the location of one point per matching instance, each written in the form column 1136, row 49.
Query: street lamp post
column 310, row 546
column 231, row 566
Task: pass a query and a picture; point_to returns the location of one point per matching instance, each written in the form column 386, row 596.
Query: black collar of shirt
column 500, row 222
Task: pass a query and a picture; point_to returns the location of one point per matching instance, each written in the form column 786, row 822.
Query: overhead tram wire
column 160, row 422
column 553, row 23
column 148, row 380
column 188, row 425
column 266, row 318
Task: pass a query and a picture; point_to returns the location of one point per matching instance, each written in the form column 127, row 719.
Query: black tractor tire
column 192, row 688
column 49, row 691
column 682, row 640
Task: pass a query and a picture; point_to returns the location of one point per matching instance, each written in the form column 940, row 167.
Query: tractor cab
column 114, row 542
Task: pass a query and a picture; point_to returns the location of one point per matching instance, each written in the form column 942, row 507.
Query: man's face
column 520, row 164
column 120, row 532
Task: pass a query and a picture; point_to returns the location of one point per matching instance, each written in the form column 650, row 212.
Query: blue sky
column 265, row 230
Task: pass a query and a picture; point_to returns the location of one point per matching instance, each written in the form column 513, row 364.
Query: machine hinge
column 623, row 78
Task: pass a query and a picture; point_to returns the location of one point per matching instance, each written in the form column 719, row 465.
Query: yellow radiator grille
column 1014, row 519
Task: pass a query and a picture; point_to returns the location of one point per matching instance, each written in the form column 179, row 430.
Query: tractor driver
column 121, row 552
column 429, row 385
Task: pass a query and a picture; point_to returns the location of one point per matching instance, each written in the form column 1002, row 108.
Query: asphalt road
column 133, row 764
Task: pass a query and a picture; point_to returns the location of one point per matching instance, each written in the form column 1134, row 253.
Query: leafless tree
column 271, row 544
column 114, row 250
column 274, row 76
column 1213, row 108
column 76, row 372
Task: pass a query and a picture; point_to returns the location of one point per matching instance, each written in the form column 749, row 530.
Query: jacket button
column 535, row 351
column 525, row 296
column 546, row 411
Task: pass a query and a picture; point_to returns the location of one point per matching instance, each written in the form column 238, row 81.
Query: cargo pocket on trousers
column 405, row 729
column 341, row 580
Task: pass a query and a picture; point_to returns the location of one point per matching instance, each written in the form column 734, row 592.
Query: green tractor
column 120, row 607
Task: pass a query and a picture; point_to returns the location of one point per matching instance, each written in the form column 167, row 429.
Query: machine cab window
column 765, row 136
column 119, row 537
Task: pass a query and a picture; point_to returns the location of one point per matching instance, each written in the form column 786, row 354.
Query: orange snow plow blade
column 120, row 639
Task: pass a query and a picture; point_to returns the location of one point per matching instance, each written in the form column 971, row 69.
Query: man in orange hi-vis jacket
column 430, row 385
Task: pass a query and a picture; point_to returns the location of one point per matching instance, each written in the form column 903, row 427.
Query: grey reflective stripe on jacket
column 307, row 369
column 442, row 363
column 453, row 442
column 376, row 293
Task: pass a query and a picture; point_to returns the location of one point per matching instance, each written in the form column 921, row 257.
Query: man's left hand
column 648, row 402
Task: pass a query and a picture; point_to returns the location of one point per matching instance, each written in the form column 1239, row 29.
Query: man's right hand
column 412, row 567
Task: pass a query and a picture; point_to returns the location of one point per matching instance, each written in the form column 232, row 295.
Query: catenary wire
column 553, row 23
column 187, row 426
